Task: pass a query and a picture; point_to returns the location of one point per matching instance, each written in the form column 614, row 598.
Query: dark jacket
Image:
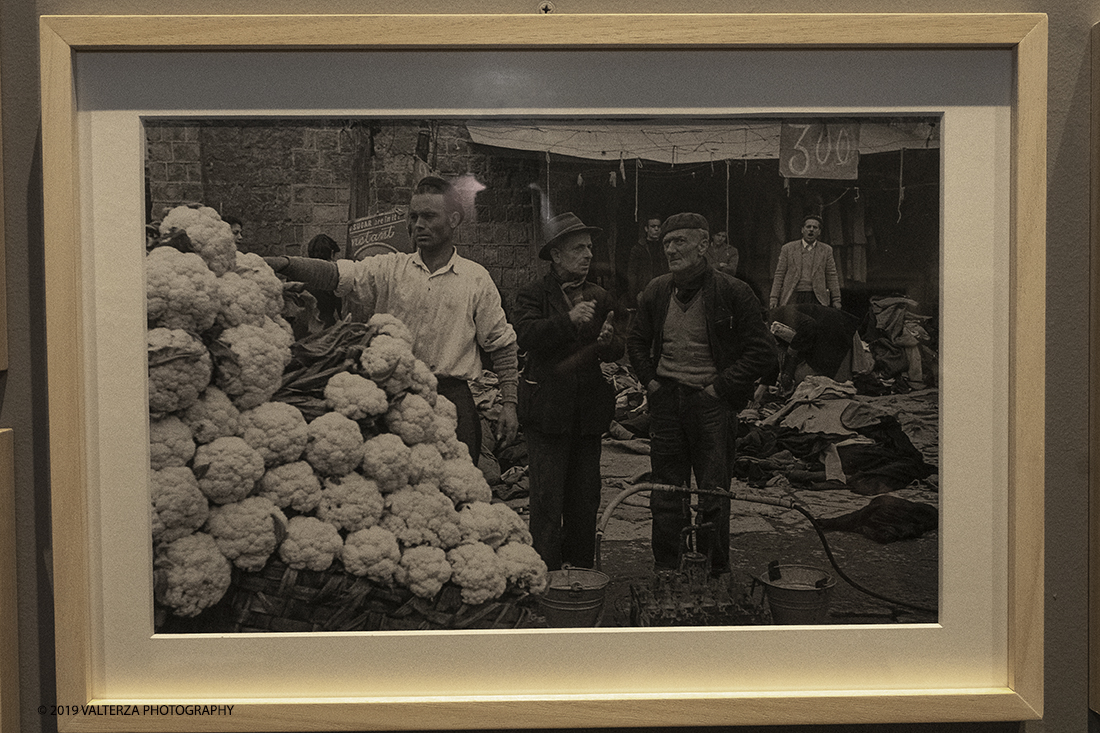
column 823, row 336
column 742, row 348
column 562, row 389
column 647, row 261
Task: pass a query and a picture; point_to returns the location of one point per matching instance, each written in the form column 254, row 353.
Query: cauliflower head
column 179, row 508
column 250, row 362
column 372, row 552
column 248, row 531
column 422, row 517
column 277, row 430
column 423, row 570
column 170, row 442
column 450, row 447
column 190, row 574
column 425, row 465
column 252, row 267
column 212, row 416
column 421, row 381
column 446, row 417
column 478, row 571
column 355, row 396
column 515, row 526
column 310, row 544
column 464, row 482
column 291, row 485
column 386, row 461
column 180, row 290
column 524, row 567
column 179, row 369
column 335, row 444
column 412, row 417
column 390, row 363
column 211, row 238
column 481, row 522
column 391, row 325
column 350, row 502
column 243, row 301
column 227, row 469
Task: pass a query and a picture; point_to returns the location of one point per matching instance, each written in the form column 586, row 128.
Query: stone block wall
column 173, row 167
column 286, row 183
column 289, row 182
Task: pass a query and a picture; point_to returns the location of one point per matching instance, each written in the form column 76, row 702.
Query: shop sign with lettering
column 379, row 233
column 819, row 150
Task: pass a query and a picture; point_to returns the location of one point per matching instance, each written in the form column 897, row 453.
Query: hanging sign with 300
column 819, row 150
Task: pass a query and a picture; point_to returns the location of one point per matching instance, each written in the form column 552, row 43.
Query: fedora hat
column 560, row 226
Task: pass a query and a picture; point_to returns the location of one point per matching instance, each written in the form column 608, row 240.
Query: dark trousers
column 565, row 496
column 802, row 297
column 469, row 421
column 690, row 432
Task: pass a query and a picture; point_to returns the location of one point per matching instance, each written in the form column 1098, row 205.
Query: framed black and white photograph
column 259, row 452
column 296, row 184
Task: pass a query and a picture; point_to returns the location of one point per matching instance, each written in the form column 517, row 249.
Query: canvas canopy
column 698, row 142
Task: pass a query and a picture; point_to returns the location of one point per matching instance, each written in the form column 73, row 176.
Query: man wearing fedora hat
column 565, row 327
column 450, row 304
column 698, row 343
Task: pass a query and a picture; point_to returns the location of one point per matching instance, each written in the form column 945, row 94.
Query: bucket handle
column 575, row 586
column 774, row 573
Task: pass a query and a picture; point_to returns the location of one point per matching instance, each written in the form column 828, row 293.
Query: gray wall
column 23, row 396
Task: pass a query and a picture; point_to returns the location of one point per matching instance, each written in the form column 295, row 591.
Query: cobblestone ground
column 905, row 571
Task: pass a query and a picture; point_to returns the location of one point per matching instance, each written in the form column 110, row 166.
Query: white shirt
column 449, row 311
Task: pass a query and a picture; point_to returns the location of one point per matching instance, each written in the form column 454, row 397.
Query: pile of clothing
column 825, row 438
column 898, row 338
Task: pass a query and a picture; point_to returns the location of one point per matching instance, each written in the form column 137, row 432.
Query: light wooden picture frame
column 3, row 278
column 73, row 441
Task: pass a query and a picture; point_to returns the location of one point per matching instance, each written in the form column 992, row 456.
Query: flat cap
column 684, row 221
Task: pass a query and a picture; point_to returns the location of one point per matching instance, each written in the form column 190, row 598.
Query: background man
column 237, row 227
column 564, row 325
column 647, row 259
column 324, row 247
column 449, row 303
column 806, row 272
column 721, row 255
column 698, row 343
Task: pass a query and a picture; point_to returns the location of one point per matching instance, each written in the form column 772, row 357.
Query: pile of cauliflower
column 378, row 485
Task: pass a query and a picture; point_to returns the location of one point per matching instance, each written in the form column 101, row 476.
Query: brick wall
column 289, row 182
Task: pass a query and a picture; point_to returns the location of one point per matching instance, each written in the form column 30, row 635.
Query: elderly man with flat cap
column 564, row 324
column 450, row 304
column 699, row 343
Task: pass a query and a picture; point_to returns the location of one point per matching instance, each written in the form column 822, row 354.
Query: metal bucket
column 797, row 594
column 574, row 597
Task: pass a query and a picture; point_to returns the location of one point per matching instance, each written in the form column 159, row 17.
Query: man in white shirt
column 450, row 304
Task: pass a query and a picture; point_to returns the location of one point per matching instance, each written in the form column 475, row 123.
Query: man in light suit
column 806, row 272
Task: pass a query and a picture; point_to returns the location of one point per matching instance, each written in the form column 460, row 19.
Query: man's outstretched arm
column 316, row 274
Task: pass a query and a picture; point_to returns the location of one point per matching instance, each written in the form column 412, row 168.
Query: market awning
column 699, row 142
